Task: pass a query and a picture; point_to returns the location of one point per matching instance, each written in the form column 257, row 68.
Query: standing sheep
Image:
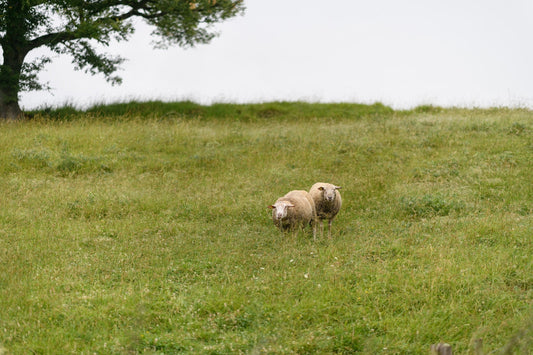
column 328, row 202
column 293, row 211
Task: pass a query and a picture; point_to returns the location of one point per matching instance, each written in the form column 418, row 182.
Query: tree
column 81, row 28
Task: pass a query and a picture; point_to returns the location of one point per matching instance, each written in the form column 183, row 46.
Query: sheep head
column 329, row 192
column 280, row 209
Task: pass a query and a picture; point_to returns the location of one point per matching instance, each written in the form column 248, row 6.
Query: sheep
column 328, row 202
column 293, row 211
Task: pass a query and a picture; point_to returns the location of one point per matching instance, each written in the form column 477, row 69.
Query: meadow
column 144, row 228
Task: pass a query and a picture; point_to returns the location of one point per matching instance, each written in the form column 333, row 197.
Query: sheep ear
column 338, row 187
column 271, row 207
column 290, row 205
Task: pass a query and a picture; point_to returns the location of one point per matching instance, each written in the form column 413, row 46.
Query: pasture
column 144, row 228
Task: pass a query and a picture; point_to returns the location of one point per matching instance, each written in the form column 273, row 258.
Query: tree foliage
column 81, row 28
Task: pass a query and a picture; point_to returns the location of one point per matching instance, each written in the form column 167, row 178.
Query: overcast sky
column 401, row 53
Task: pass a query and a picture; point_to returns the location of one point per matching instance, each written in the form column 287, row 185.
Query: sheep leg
column 329, row 228
column 294, row 231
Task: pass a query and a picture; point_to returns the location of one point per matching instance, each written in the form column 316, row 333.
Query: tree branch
column 55, row 38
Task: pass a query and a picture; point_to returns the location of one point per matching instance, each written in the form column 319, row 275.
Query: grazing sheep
column 293, row 211
column 328, row 202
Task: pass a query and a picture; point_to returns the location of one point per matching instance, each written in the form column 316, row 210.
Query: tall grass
column 143, row 228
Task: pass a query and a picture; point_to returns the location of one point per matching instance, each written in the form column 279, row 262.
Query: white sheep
column 293, row 211
column 328, row 203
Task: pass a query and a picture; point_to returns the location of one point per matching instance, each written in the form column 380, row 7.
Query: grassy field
column 144, row 228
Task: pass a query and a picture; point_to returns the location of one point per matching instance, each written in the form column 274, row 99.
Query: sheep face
column 280, row 209
column 329, row 192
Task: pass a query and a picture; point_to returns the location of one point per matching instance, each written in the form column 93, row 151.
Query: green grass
column 144, row 228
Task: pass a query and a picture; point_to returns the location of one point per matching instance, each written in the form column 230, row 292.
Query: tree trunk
column 9, row 109
column 15, row 48
column 9, row 81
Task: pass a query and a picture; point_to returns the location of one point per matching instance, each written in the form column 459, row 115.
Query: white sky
column 401, row 53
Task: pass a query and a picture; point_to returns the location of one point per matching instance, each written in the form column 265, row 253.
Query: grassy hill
column 144, row 228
